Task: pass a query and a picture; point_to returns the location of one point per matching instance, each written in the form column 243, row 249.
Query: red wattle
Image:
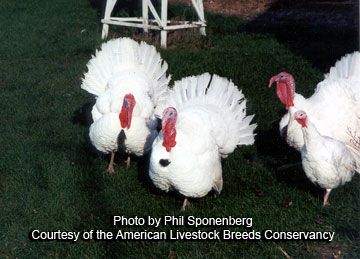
column 302, row 122
column 285, row 95
column 124, row 118
column 289, row 104
column 169, row 133
column 281, row 92
column 126, row 112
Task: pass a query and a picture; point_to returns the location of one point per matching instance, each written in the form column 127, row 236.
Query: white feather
column 326, row 161
column 347, row 67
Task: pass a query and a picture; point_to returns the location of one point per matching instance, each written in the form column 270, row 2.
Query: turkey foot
column 218, row 184
column 111, row 169
column 326, row 197
column 186, row 204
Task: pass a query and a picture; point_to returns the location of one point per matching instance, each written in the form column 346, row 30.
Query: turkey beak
column 272, row 80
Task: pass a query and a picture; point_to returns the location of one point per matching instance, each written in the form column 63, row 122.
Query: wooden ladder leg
column 145, row 15
column 110, row 4
column 163, row 35
column 199, row 8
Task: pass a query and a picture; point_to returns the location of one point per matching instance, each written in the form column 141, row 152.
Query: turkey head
column 285, row 88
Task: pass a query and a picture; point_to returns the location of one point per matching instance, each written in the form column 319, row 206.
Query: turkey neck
column 311, row 135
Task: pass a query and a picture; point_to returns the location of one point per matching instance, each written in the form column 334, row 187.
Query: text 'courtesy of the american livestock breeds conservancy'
column 180, row 228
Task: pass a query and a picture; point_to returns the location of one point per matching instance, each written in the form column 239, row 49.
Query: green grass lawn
column 52, row 179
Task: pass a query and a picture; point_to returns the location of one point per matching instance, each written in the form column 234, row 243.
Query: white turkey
column 334, row 108
column 204, row 122
column 326, row 161
column 129, row 81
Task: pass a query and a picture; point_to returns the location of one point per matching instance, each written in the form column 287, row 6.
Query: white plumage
column 326, row 161
column 330, row 144
column 125, row 74
column 209, row 121
column 334, row 107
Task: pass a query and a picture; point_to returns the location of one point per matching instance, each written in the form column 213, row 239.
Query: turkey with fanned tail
column 130, row 83
column 204, row 122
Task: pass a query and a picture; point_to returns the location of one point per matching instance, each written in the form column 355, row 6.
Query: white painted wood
column 181, row 26
column 154, row 12
column 164, row 9
column 199, row 8
column 110, row 4
column 151, row 21
column 145, row 15
column 202, row 12
column 132, row 24
column 159, row 23
column 123, row 22
column 127, row 19
column 164, row 12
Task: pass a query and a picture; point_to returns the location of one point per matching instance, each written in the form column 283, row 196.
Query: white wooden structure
column 158, row 23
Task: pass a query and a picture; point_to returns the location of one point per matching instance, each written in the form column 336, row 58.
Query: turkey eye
column 164, row 162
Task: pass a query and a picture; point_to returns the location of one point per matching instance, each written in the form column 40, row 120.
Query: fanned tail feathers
column 222, row 93
column 156, row 69
column 125, row 54
column 348, row 67
column 113, row 55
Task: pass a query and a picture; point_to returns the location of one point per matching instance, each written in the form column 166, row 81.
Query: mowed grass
column 52, row 179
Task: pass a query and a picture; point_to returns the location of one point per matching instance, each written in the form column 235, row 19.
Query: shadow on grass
column 131, row 7
column 96, row 214
column 321, row 32
column 98, row 211
column 283, row 161
column 144, row 178
column 143, row 174
column 82, row 116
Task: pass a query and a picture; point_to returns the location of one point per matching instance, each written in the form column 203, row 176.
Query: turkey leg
column 326, row 197
column 186, row 204
column 111, row 163
column 127, row 162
